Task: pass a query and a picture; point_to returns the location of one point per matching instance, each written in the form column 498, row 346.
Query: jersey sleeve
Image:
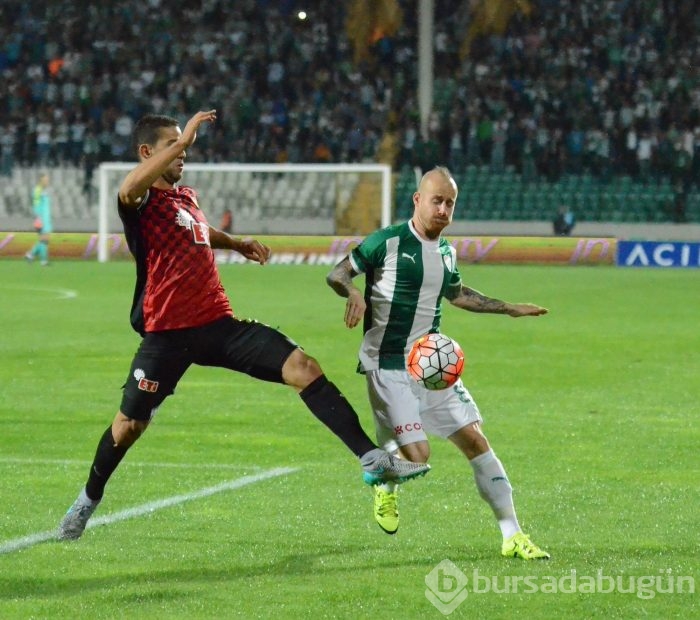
column 191, row 194
column 369, row 254
column 455, row 279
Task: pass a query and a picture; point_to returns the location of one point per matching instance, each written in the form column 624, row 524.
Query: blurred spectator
column 8, row 140
column 91, row 149
column 564, row 221
column 681, row 173
column 226, row 224
column 44, row 139
column 680, row 199
column 645, row 151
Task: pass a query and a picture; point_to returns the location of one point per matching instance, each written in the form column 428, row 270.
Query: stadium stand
column 593, row 103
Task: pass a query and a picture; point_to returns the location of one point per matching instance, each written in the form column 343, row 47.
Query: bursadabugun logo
column 448, row 586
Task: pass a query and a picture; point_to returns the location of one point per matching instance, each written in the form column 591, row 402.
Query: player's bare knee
column 471, row 440
column 300, row 370
column 126, row 431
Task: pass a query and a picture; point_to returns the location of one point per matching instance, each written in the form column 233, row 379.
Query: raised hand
column 189, row 133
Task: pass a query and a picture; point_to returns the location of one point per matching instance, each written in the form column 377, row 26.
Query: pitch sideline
column 28, row 541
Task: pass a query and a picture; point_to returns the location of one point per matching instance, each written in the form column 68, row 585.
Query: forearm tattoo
column 469, row 299
column 340, row 279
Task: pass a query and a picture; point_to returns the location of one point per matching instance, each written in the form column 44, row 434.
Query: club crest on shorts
column 145, row 384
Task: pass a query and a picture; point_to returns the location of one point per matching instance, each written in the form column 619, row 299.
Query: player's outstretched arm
column 250, row 248
column 340, row 280
column 516, row 310
column 152, row 164
column 474, row 301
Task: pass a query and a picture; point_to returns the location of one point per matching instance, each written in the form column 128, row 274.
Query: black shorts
column 162, row 358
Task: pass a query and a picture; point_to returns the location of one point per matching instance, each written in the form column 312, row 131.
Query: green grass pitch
column 593, row 409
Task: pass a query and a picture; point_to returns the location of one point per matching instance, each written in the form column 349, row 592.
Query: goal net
column 270, row 199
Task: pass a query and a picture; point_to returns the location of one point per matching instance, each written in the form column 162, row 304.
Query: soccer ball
column 435, row 361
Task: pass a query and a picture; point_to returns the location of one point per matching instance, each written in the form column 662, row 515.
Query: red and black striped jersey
column 177, row 280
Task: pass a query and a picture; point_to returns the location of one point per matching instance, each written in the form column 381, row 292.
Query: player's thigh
column 158, row 365
column 245, row 346
column 395, row 405
column 444, row 412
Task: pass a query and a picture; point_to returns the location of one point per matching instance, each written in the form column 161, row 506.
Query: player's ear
column 145, row 151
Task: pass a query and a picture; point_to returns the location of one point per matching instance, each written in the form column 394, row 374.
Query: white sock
column 389, row 487
column 392, row 448
column 495, row 489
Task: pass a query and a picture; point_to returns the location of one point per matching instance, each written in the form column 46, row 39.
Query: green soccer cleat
column 520, row 546
column 386, row 510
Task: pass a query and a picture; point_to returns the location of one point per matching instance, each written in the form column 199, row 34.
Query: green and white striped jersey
column 405, row 280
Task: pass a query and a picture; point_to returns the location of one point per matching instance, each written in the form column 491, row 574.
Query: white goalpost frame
column 108, row 202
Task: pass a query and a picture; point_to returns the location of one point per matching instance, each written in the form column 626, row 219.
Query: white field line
column 60, row 293
column 137, row 511
column 10, row 460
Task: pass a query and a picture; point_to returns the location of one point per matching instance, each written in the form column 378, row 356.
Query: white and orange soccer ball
column 435, row 361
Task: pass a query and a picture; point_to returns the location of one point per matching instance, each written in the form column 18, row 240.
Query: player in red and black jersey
column 177, row 284
column 182, row 311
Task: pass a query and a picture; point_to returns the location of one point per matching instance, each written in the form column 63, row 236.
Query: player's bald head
column 435, row 176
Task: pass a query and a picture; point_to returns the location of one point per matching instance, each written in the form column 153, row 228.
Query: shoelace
column 386, row 505
column 526, row 544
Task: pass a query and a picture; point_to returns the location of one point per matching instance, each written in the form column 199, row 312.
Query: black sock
column 107, row 457
column 327, row 403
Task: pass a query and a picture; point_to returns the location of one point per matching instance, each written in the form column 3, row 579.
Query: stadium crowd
column 598, row 86
column 569, row 86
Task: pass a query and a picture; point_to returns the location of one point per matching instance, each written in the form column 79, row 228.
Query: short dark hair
column 147, row 129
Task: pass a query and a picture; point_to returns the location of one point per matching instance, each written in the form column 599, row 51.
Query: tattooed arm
column 474, row 301
column 340, row 280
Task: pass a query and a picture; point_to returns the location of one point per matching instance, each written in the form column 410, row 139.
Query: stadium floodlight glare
column 270, row 199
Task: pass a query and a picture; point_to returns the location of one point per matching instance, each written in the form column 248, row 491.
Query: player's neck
column 161, row 183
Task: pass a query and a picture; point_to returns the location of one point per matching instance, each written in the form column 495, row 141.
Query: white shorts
column 405, row 411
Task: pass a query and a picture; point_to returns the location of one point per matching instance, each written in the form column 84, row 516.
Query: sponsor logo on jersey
column 200, row 230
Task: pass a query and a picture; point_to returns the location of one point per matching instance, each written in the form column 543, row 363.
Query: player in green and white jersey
column 409, row 268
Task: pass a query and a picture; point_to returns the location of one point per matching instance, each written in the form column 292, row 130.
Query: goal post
column 270, row 199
